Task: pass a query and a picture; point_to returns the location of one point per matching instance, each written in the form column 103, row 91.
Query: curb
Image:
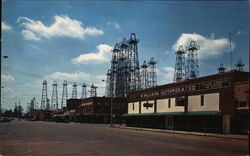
column 184, row 133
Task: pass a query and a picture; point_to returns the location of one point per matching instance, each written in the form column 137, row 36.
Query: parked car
column 5, row 120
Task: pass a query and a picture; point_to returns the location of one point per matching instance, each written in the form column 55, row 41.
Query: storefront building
column 97, row 109
column 205, row 104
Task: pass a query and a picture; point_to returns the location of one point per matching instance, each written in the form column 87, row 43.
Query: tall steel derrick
column 124, row 75
column 152, row 79
column 64, row 94
column 54, row 98
column 240, row 65
column 74, row 91
column 221, row 68
column 179, row 72
column 108, row 85
column 44, row 99
column 192, row 68
column 144, row 75
column 84, row 91
column 92, row 91
column 134, row 67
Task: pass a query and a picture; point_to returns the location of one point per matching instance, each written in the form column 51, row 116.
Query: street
column 49, row 138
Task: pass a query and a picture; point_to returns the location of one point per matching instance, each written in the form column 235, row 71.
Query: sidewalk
column 227, row 136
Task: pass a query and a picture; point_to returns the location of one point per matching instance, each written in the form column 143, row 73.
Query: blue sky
column 71, row 40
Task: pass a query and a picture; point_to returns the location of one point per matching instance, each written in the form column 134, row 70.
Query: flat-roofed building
column 205, row 104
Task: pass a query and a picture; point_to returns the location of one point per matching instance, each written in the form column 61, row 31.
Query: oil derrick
column 74, row 91
column 108, row 84
column 221, row 68
column 84, row 92
column 134, row 66
column 93, row 91
column 192, row 69
column 240, row 65
column 48, row 105
column 64, row 94
column 54, row 98
column 121, row 85
column 179, row 72
column 124, row 74
column 32, row 103
column 144, row 75
column 111, row 87
column 44, row 101
column 152, row 79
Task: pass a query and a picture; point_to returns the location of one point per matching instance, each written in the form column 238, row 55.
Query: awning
column 203, row 113
column 174, row 113
column 143, row 114
column 169, row 113
column 154, row 114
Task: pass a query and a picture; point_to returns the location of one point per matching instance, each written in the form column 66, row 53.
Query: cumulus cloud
column 165, row 74
column 7, row 78
column 101, row 56
column 209, row 47
column 62, row 26
column 114, row 24
column 29, row 35
column 5, row 27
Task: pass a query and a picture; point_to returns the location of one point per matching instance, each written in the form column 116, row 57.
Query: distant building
column 96, row 109
column 206, row 104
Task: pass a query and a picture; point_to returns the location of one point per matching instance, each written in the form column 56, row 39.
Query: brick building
column 97, row 109
column 207, row 104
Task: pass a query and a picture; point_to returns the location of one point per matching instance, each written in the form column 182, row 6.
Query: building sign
column 147, row 105
column 206, row 85
column 87, row 104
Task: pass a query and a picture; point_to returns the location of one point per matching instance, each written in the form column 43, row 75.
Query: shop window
column 133, row 106
column 202, row 100
column 181, row 101
column 169, row 103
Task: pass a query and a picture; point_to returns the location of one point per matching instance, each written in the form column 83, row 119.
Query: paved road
column 45, row 138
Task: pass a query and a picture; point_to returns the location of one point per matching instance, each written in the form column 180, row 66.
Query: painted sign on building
column 206, row 85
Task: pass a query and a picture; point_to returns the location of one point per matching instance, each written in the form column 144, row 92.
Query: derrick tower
column 74, row 91
column 152, row 79
column 64, row 94
column 44, row 101
column 144, row 75
column 93, row 91
column 108, row 84
column 121, row 85
column 84, row 92
column 134, row 63
column 221, row 68
column 179, row 72
column 240, row 65
column 192, row 69
column 124, row 74
column 54, row 98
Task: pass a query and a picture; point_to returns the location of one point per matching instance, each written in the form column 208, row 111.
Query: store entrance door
column 169, row 123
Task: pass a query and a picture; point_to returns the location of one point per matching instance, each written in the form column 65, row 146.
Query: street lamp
column 111, row 105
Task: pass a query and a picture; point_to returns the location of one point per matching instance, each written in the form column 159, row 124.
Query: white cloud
column 29, row 35
column 7, row 78
column 165, row 74
column 209, row 47
column 114, row 24
column 62, row 26
column 5, row 27
column 103, row 55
